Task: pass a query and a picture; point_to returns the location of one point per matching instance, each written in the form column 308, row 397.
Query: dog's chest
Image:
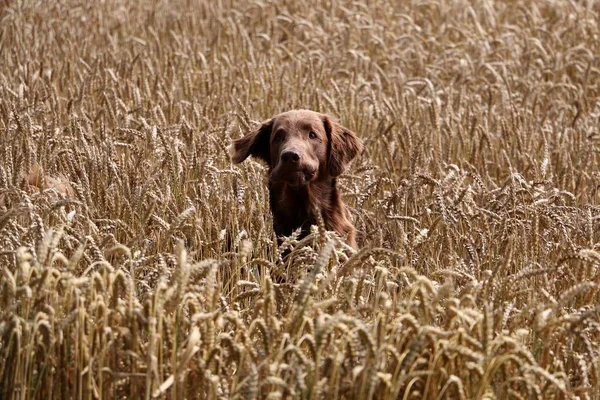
column 293, row 209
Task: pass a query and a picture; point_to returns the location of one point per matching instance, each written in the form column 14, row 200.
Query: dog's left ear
column 343, row 146
column 254, row 143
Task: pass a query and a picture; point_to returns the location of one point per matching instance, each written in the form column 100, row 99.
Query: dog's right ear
column 344, row 145
column 255, row 143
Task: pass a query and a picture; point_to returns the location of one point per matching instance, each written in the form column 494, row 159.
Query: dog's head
column 300, row 146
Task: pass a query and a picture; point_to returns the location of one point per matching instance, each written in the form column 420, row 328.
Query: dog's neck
column 319, row 196
column 313, row 196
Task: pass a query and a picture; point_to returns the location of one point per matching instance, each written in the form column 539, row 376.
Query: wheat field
column 138, row 262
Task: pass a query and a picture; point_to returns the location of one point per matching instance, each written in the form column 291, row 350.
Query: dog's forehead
column 299, row 119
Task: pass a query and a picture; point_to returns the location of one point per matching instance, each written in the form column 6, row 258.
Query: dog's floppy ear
column 343, row 146
column 254, row 143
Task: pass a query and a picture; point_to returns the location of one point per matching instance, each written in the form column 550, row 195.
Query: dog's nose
column 290, row 156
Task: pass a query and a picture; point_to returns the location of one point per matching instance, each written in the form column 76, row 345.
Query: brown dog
column 305, row 151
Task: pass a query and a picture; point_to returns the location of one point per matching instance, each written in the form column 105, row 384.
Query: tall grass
column 137, row 262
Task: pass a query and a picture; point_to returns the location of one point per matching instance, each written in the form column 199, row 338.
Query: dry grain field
column 137, row 262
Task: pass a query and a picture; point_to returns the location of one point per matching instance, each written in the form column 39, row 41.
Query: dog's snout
column 290, row 156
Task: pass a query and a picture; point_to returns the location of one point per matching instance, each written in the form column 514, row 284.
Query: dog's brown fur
column 305, row 152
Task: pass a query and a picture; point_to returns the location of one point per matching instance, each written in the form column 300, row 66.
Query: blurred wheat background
column 137, row 262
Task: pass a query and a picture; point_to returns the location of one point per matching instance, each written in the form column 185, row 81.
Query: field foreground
column 137, row 262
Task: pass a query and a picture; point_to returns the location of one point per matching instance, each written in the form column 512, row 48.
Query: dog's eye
column 277, row 137
column 312, row 135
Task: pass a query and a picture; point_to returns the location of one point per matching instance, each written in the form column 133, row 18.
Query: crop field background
column 137, row 262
